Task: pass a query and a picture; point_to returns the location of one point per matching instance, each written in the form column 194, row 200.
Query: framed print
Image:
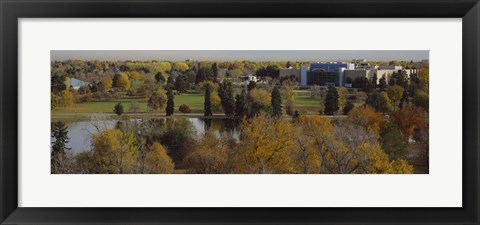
column 198, row 112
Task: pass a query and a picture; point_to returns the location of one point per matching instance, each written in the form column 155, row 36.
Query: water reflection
column 80, row 132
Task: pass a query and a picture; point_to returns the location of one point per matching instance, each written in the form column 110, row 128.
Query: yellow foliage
column 114, row 152
column 267, row 146
column 124, row 82
column 367, row 117
column 67, row 99
column 261, row 97
column 216, row 101
column 157, row 161
column 408, row 119
column 210, row 155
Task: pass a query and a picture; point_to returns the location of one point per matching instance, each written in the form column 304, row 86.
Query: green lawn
column 193, row 100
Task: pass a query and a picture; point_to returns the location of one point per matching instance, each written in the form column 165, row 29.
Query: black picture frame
column 11, row 11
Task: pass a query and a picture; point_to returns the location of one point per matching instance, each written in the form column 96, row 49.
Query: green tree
column 240, row 104
column 182, row 83
column 392, row 142
column 276, row 102
column 118, row 109
column 331, row 101
column 215, row 72
column 420, row 99
column 170, row 103
column 382, row 83
column 58, row 155
column 207, row 105
column 395, row 93
column 225, row 92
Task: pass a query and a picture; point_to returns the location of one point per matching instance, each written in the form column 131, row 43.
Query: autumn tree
column 288, row 95
column 267, row 146
column 157, row 100
column 409, row 118
column 215, row 100
column 211, row 154
column 276, row 102
column 368, row 118
column 184, row 109
column 66, row 99
column 113, row 151
column 395, row 93
column 260, row 100
column 157, row 161
column 170, row 104
column 331, row 101
column 342, row 97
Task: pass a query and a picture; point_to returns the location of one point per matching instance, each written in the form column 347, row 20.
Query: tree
column 58, row 155
column 214, row 72
column 368, row 118
column 348, row 107
column 105, row 84
column 240, row 104
column 215, row 100
column 374, row 81
column 118, row 109
column 342, row 97
column 184, row 109
column 67, row 99
column 157, row 100
column 421, row 99
column 395, row 93
column 170, row 104
column 115, row 80
column 409, row 118
column 392, row 142
column 203, row 74
column 58, row 84
column 207, row 105
column 225, row 92
column 288, row 95
column 181, row 66
column 260, row 100
column 251, row 85
column 331, row 101
column 182, row 83
column 382, row 83
column 157, row 161
column 379, row 101
column 276, row 102
column 114, row 151
column 267, row 146
column 122, row 83
column 210, row 155
column 160, row 78
column 405, row 99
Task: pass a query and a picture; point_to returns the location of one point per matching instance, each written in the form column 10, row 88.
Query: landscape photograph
column 239, row 112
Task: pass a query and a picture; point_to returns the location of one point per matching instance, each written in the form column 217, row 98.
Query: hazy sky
column 228, row 55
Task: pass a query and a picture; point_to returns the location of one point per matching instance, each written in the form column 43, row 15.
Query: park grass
column 192, row 99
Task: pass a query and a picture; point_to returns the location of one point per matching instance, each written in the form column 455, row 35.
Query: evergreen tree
column 382, row 83
column 392, row 142
column 405, row 99
column 288, row 65
column 331, row 101
column 251, row 85
column 215, row 72
column 170, row 104
column 374, row 81
column 181, row 83
column 118, row 109
column 225, row 92
column 58, row 154
column 347, row 108
column 276, row 102
column 208, row 102
column 240, row 104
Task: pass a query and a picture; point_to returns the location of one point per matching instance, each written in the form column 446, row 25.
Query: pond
column 80, row 132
